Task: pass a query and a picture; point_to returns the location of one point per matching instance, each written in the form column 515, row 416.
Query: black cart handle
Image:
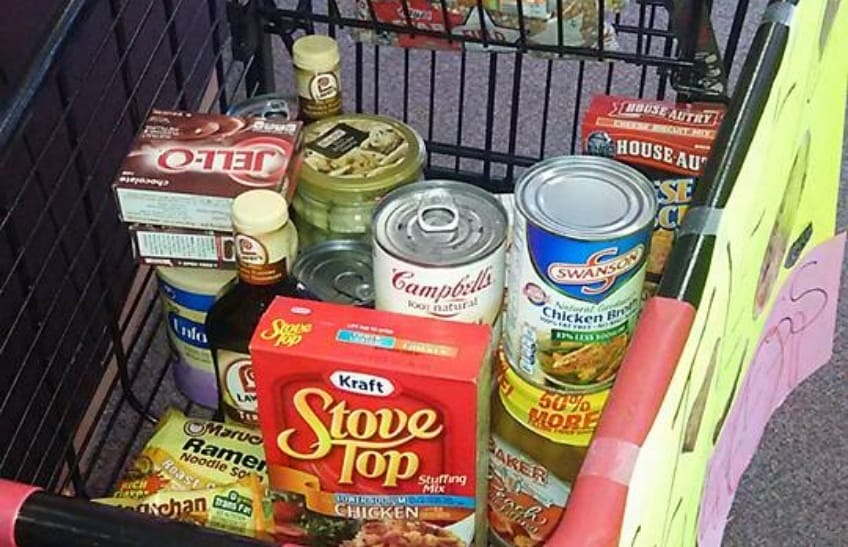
column 31, row 517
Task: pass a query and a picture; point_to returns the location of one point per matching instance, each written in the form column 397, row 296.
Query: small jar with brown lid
column 317, row 66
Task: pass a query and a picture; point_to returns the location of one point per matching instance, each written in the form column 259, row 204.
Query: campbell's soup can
column 581, row 237
column 439, row 251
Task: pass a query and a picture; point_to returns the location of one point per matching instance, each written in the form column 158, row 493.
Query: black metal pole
column 48, row 520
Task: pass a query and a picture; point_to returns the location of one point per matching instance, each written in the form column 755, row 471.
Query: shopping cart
column 83, row 379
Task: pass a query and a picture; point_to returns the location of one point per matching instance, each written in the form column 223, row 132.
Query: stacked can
column 581, row 237
column 337, row 271
column 187, row 294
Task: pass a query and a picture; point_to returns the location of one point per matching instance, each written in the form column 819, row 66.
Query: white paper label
column 470, row 294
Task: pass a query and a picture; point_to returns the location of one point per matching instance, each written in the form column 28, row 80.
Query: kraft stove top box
column 184, row 168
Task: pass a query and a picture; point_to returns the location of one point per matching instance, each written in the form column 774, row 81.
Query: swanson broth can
column 580, row 244
column 439, row 252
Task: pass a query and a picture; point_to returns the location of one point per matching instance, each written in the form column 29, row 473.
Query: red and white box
column 182, row 247
column 185, row 169
column 373, row 420
column 668, row 142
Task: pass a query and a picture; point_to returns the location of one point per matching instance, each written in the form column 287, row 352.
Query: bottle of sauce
column 266, row 244
column 317, row 66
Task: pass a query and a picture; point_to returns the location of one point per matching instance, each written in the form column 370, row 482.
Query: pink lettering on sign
column 797, row 340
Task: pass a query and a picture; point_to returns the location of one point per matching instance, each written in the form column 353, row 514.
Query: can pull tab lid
column 437, row 213
column 355, row 286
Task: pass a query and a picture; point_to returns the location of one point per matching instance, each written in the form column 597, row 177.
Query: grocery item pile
column 459, row 410
column 569, row 23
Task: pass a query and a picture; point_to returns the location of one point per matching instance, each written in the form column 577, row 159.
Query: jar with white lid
column 266, row 245
column 317, row 65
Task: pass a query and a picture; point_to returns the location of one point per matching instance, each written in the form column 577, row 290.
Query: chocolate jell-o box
column 185, row 169
column 375, row 424
column 668, row 142
column 182, row 247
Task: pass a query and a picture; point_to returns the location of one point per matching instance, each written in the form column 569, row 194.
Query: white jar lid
column 258, row 212
column 315, row 52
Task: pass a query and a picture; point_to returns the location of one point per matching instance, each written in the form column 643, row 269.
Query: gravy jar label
column 564, row 418
column 526, row 501
column 239, row 393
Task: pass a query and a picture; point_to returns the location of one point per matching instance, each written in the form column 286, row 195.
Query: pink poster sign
column 797, row 340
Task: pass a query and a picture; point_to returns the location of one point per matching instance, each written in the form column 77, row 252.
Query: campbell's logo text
column 602, row 267
column 463, row 287
column 372, row 441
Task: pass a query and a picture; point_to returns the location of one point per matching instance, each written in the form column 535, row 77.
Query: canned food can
column 186, row 295
column 336, row 271
column 439, row 249
column 579, row 252
column 270, row 107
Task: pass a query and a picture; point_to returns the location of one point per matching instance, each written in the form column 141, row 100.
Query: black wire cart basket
column 83, row 365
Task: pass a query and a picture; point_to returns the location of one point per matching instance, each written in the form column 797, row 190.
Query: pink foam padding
column 611, row 459
column 595, row 508
column 12, row 497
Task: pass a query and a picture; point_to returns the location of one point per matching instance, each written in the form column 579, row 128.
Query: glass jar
column 539, row 439
column 317, row 68
column 350, row 162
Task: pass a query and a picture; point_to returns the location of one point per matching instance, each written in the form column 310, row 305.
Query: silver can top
column 439, row 223
column 586, row 197
column 337, row 271
column 270, row 106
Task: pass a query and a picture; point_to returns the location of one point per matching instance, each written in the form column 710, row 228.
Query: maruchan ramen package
column 235, row 508
column 375, row 425
column 193, row 454
column 667, row 142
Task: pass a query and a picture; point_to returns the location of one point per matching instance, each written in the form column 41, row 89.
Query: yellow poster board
column 783, row 204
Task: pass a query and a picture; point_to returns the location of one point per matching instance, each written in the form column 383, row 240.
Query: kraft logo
column 596, row 269
column 362, row 384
